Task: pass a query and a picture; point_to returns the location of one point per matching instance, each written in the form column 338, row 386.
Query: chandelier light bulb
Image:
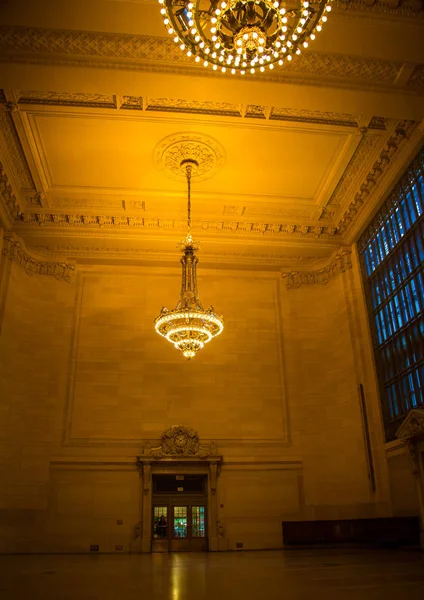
column 243, row 28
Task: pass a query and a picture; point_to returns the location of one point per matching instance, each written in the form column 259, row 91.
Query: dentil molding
column 363, row 193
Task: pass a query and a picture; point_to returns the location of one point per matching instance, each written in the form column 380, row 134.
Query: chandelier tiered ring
column 243, row 36
column 189, row 327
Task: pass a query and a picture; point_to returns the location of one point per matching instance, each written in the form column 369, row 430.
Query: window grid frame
column 391, row 252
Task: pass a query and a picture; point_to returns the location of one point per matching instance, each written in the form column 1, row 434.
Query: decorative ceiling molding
column 140, row 223
column 172, row 150
column 398, row 8
column 16, row 252
column 8, row 198
column 64, row 99
column 350, row 179
column 417, row 78
column 123, row 222
column 15, row 153
column 361, row 174
column 170, row 105
column 224, row 109
column 86, row 251
column 370, row 184
column 125, row 51
column 312, row 116
column 339, row 262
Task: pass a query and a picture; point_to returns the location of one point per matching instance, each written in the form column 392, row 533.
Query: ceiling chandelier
column 242, row 36
column 189, row 327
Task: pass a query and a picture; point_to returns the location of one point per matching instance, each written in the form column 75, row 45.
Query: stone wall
column 86, row 382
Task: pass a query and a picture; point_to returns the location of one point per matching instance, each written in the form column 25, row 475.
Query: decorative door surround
column 180, row 452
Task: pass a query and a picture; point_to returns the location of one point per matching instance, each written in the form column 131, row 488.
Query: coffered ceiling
column 97, row 104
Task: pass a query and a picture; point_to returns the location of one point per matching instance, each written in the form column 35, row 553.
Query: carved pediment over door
column 180, row 442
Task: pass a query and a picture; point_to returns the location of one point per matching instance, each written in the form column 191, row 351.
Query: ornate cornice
column 150, row 254
column 15, row 251
column 125, row 51
column 12, row 143
column 397, row 8
column 178, row 105
column 369, row 185
column 7, row 196
column 138, row 223
column 350, row 179
column 339, row 263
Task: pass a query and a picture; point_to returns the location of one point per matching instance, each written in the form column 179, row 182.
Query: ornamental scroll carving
column 204, row 149
column 128, row 51
column 341, row 262
column 179, row 440
column 16, row 252
column 413, row 425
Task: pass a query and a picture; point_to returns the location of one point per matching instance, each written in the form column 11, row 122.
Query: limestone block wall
column 403, row 485
column 86, row 382
column 325, row 410
column 34, row 361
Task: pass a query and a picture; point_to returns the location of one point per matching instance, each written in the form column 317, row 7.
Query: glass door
column 180, row 540
column 197, row 521
column 160, row 541
column 180, row 525
column 198, row 529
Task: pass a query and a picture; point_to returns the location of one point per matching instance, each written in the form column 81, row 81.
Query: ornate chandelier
column 242, row 36
column 189, row 327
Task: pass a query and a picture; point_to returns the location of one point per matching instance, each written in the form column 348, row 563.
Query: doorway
column 179, row 513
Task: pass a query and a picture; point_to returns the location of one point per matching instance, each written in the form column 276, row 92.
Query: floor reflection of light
column 176, row 578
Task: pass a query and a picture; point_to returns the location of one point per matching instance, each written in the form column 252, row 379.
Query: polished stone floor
column 271, row 575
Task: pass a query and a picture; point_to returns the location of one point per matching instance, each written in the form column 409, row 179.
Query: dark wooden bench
column 389, row 532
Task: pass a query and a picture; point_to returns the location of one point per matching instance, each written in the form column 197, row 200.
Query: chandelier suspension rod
column 189, row 169
column 189, row 327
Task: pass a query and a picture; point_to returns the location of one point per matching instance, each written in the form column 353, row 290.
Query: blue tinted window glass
column 392, row 259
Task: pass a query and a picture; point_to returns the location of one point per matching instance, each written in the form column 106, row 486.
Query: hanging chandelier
column 242, row 36
column 189, row 327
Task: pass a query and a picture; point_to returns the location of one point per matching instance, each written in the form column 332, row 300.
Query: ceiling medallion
column 242, row 36
column 189, row 327
column 203, row 149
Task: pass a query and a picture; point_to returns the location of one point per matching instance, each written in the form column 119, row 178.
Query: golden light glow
column 239, row 36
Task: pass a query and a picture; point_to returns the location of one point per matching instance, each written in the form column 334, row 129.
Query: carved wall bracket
column 16, row 252
column 340, row 262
